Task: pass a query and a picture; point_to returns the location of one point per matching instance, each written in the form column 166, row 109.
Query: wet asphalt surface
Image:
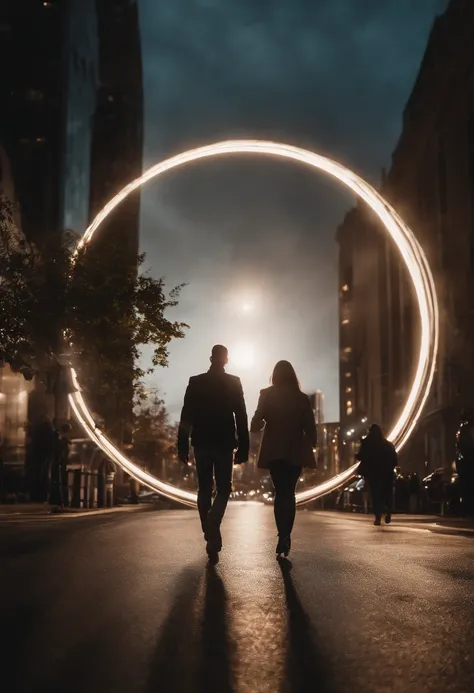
column 127, row 603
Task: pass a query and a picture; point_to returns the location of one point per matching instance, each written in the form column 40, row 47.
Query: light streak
column 410, row 252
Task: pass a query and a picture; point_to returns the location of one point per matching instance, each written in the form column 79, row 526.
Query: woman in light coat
column 289, row 437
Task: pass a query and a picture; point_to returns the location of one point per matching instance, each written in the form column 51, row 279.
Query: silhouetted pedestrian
column 378, row 460
column 289, row 437
column 215, row 417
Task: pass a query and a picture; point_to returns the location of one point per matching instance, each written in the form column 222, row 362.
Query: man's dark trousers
column 210, row 464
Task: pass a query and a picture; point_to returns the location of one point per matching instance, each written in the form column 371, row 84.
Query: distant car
column 352, row 498
column 440, row 491
column 239, row 495
column 148, row 497
column 268, row 498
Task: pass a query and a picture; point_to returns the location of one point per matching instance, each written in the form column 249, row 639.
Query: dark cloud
column 329, row 74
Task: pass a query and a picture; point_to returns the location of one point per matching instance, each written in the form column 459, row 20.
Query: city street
column 125, row 602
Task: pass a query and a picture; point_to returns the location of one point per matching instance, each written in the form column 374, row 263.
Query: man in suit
column 215, row 417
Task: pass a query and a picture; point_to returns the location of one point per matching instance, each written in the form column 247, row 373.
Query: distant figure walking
column 289, row 438
column 378, row 459
column 215, row 417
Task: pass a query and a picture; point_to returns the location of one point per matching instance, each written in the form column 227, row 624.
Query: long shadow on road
column 192, row 655
column 173, row 664
column 215, row 668
column 305, row 667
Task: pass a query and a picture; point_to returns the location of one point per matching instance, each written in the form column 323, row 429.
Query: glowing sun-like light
column 242, row 356
column 410, row 252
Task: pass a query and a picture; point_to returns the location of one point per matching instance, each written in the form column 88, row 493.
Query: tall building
column 375, row 328
column 431, row 184
column 44, row 121
column 48, row 101
column 117, row 158
column 71, row 122
column 117, row 148
column 329, row 442
column 81, row 72
column 317, row 404
column 329, row 450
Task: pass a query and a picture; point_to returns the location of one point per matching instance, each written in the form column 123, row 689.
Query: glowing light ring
column 410, row 251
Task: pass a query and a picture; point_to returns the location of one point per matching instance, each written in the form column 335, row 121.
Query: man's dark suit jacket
column 214, row 414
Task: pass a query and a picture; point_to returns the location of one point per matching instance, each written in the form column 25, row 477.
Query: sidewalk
column 44, row 509
column 433, row 522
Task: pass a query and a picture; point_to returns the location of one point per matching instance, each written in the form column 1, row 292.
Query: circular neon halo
column 410, row 251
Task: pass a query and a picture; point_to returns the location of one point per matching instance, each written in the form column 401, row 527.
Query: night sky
column 254, row 238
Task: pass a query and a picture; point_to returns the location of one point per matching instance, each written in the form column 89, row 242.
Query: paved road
column 125, row 603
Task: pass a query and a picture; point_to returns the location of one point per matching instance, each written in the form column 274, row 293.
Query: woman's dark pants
column 284, row 477
column 382, row 497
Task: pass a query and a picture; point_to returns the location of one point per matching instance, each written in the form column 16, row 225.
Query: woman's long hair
column 375, row 434
column 284, row 376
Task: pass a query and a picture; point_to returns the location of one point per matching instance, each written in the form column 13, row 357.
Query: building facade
column 117, row 159
column 71, row 123
column 117, row 126
column 431, row 184
column 329, row 447
column 317, row 404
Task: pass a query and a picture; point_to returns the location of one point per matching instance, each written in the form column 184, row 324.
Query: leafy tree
column 97, row 307
column 15, row 293
column 111, row 312
column 154, row 436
